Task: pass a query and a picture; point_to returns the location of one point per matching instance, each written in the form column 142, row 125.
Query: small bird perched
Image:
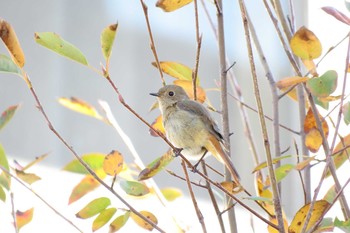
column 189, row 126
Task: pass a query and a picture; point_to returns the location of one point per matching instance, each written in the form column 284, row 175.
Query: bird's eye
column 171, row 93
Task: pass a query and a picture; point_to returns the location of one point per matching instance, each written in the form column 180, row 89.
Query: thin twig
column 199, row 45
column 184, row 179
column 13, row 212
column 40, row 198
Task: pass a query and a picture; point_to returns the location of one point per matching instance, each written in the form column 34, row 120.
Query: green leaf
column 119, row 222
column 93, row 208
column 2, row 194
column 57, row 44
column 171, row 193
column 326, row 225
column 274, row 161
column 103, row 218
column 346, row 113
column 343, row 225
column 94, row 160
column 282, row 171
column 330, row 195
column 134, row 188
column 8, row 66
column 324, row 85
column 107, row 40
column 7, row 115
column 5, row 180
column 86, row 185
column 156, row 166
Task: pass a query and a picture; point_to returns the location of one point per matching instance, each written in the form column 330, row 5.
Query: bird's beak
column 154, row 94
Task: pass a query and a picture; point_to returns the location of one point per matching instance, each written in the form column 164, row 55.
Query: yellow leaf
column 142, row 223
column 29, row 178
column 80, row 106
column 23, row 218
column 231, row 187
column 313, row 139
column 265, row 193
column 290, row 81
column 188, row 87
column 171, row 193
column 176, row 70
column 305, row 44
column 86, row 185
column 270, row 229
column 300, row 166
column 171, row 5
column 157, row 125
column 156, row 165
column 8, row 36
column 311, row 67
column 113, row 163
column 339, row 154
column 299, row 219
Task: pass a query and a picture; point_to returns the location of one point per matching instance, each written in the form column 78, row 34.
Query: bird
column 189, row 126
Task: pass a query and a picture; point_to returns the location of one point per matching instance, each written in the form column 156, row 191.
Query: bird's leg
column 177, row 151
column 194, row 169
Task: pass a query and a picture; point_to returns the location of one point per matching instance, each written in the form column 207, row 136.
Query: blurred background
column 81, row 22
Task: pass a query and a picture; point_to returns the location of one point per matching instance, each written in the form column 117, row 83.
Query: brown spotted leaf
column 156, row 166
column 113, row 163
column 119, row 222
column 142, row 223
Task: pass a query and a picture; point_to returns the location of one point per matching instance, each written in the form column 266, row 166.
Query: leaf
column 103, row 218
column 339, row 154
column 80, row 106
column 35, row 161
column 134, row 188
column 157, row 125
column 324, row 85
column 171, row 5
column 119, row 222
column 300, row 166
column 176, row 70
column 94, row 207
column 282, row 171
column 187, row 86
column 8, row 66
column 29, row 178
column 107, row 40
column 171, row 194
column 156, row 165
column 274, row 220
column 94, row 160
column 264, row 193
column 343, row 225
column 231, row 187
column 313, row 139
column 298, row 221
column 290, row 81
column 2, row 194
column 326, row 225
column 142, row 223
column 305, row 44
column 274, row 161
column 7, row 115
column 336, row 14
column 57, row 44
column 5, row 179
column 86, row 185
column 113, row 163
column 23, row 218
column 8, row 36
column 330, row 195
column 311, row 67
column 346, row 113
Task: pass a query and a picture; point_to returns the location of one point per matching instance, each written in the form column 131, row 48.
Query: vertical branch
column 276, row 196
column 14, row 213
column 199, row 44
column 224, row 104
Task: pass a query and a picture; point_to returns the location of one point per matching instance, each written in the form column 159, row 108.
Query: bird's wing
column 199, row 110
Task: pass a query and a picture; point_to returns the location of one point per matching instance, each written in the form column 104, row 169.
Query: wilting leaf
column 103, row 218
column 176, row 70
column 310, row 66
column 299, row 218
column 187, row 86
column 324, row 85
column 80, row 106
column 8, row 36
column 8, row 66
column 35, row 161
column 142, row 223
column 313, row 139
column 339, row 154
column 282, row 171
column 305, row 44
column 119, row 222
column 343, row 225
column 29, row 178
column 171, row 193
column 86, row 185
column 171, row 5
column 94, row 160
column 300, row 166
column 231, row 187
column 7, row 115
column 2, row 194
column 134, row 188
column 346, row 113
column 157, row 125
column 336, row 14
column 113, row 163
column 107, row 40
column 23, row 218
column 156, row 165
column 290, row 81
column 57, row 44
column 94, row 207
column 274, row 161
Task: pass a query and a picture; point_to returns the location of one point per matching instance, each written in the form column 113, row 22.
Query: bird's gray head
column 170, row 94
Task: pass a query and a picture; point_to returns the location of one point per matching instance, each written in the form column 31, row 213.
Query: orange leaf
column 305, row 44
column 231, row 187
column 270, row 229
column 313, row 139
column 80, row 106
column 8, row 36
column 157, row 125
column 113, row 163
column 86, row 185
column 142, row 223
column 188, row 87
column 171, row 5
column 290, row 81
column 23, row 218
